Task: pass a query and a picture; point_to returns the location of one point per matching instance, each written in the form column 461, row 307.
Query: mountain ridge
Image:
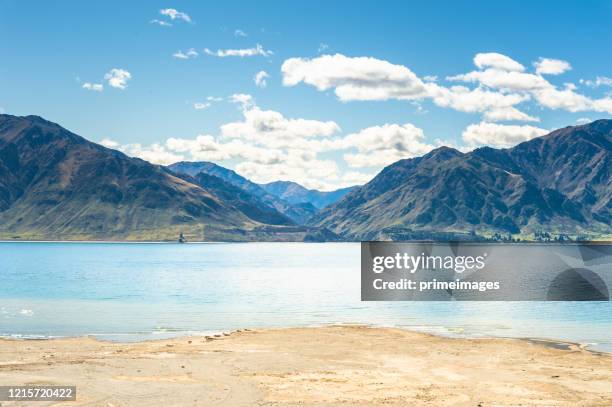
column 559, row 182
column 56, row 185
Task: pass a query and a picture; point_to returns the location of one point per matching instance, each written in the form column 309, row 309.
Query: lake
column 134, row 291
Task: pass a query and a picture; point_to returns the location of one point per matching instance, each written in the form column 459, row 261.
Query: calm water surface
column 141, row 291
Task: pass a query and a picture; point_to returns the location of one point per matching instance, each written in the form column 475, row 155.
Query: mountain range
column 57, row 185
column 560, row 183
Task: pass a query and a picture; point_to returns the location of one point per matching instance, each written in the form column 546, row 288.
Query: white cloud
column 245, row 52
column 240, row 33
column 501, row 84
column 260, row 79
column 364, row 78
column 535, row 86
column 160, row 22
column 175, row 14
column 207, row 147
column 379, row 146
column 244, row 100
column 96, row 87
column 599, row 81
column 570, row 86
column 498, row 135
column 118, row 78
column 583, row 120
column 201, row 106
column 189, row 54
column 351, row 178
column 501, row 79
column 274, row 130
column 548, row 66
column 110, row 143
column 210, row 100
column 475, row 100
column 264, row 164
column 566, row 99
column 508, row 114
column 265, row 130
column 322, row 47
column 155, row 153
column 267, row 146
column 360, row 78
column 297, row 166
column 602, row 105
column 271, row 147
column 497, row 61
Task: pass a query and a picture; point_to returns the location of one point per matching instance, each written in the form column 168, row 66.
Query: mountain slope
column 298, row 212
column 57, row 185
column 294, row 193
column 247, row 203
column 577, row 162
column 560, row 183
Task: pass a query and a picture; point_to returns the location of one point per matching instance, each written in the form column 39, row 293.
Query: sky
column 322, row 93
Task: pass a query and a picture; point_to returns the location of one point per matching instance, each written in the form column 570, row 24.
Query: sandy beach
column 325, row 366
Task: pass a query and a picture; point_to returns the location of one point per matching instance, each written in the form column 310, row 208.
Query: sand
column 325, row 366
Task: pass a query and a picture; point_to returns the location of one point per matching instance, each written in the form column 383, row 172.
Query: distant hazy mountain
column 57, row 185
column 294, row 193
column 558, row 183
column 299, row 212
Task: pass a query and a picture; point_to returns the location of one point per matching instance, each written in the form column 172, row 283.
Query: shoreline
column 198, row 242
column 336, row 365
column 603, row 241
column 542, row 341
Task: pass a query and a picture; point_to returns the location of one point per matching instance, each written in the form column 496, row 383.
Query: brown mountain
column 55, row 184
column 558, row 183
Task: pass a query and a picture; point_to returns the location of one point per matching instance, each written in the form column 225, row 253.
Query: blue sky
column 350, row 87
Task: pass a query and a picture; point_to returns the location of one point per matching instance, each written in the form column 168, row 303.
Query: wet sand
column 325, row 366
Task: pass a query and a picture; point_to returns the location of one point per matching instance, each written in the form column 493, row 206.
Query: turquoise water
column 141, row 291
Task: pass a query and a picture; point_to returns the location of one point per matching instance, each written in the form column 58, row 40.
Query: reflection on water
column 135, row 291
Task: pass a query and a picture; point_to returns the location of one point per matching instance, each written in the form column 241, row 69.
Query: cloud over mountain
column 498, row 135
column 501, row 84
